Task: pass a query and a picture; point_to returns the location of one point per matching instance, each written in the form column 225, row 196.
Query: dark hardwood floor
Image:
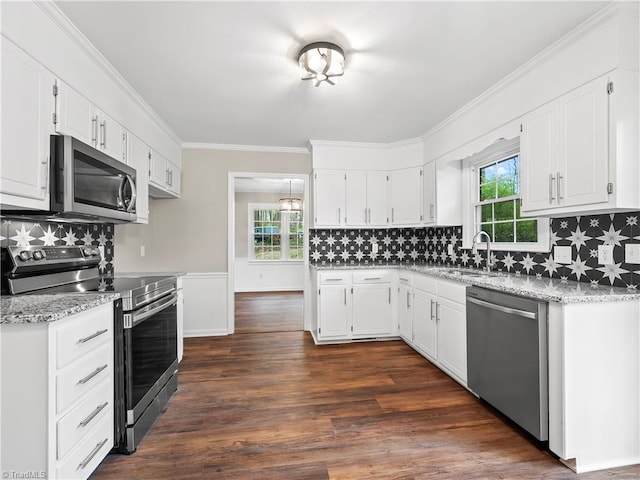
column 275, row 406
column 260, row 312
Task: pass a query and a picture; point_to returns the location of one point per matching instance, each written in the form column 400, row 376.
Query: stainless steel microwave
column 89, row 184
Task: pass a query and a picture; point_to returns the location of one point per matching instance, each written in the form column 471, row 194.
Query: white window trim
column 497, row 151
column 284, row 227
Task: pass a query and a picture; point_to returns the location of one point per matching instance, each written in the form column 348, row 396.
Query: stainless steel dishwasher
column 507, row 356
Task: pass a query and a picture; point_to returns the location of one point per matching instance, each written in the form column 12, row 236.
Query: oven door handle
column 141, row 315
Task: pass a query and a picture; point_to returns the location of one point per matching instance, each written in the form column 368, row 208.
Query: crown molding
column 595, row 21
column 66, row 26
column 244, row 148
column 334, row 143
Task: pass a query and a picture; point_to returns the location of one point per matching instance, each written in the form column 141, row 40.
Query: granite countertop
column 49, row 308
column 547, row 289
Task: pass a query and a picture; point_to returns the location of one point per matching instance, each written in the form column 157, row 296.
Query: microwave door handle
column 134, row 193
column 120, row 199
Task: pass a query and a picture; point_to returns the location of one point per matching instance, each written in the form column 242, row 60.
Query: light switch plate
column 632, row 253
column 605, row 254
column 450, row 249
column 374, row 248
column 562, row 254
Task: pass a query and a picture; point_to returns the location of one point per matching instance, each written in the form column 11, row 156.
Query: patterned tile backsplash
column 417, row 245
column 23, row 232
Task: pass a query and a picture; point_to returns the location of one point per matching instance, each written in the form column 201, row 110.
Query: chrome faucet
column 474, row 248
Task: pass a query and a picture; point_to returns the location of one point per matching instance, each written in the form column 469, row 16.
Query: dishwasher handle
column 500, row 308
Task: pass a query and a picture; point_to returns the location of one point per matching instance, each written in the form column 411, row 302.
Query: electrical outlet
column 632, row 253
column 450, row 249
column 562, row 254
column 101, row 250
column 374, row 248
column 605, row 254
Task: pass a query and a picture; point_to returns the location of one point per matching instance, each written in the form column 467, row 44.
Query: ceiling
column 226, row 72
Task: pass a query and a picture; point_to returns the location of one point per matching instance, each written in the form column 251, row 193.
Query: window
column 275, row 236
column 497, row 210
column 491, row 201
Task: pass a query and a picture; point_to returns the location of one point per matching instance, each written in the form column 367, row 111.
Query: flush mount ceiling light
column 321, row 61
column 290, row 204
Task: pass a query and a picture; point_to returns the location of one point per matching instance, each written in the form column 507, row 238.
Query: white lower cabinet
column 57, row 394
column 439, row 324
column 354, row 305
column 405, row 310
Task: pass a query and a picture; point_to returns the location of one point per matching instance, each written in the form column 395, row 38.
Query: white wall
column 267, row 277
column 205, row 304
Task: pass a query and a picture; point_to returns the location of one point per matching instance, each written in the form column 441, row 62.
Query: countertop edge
column 28, row 308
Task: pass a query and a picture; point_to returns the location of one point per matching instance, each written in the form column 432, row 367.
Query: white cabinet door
column 333, row 312
column 405, row 312
column 377, row 199
column 27, row 108
column 429, row 193
column 452, row 338
column 538, row 158
column 424, row 324
column 173, row 177
column 112, row 138
column 138, row 158
column 406, row 196
column 582, row 174
column 158, row 173
column 356, row 199
column 75, row 115
column 329, row 198
column 372, row 310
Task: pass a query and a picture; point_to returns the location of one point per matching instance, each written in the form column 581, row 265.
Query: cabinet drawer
column 83, row 334
column 333, row 278
column 371, row 276
column 89, row 453
column 79, row 421
column 83, row 375
column 454, row 291
column 426, row 283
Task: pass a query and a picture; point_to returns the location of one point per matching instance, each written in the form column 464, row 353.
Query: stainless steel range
column 145, row 320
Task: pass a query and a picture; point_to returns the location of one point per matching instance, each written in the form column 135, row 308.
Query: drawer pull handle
column 92, row 454
column 93, row 415
column 333, row 279
column 404, row 279
column 372, row 278
column 90, row 337
column 84, row 380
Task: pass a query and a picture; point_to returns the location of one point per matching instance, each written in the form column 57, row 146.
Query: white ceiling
column 226, row 72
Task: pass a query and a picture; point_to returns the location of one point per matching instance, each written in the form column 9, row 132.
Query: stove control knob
column 24, row 255
column 39, row 255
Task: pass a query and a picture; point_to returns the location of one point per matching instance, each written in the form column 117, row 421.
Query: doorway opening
column 267, row 261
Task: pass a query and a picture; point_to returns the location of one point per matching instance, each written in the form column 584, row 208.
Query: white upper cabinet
column 442, row 193
column 329, row 189
column 78, row 117
column 406, row 196
column 27, row 108
column 164, row 177
column 564, row 152
column 366, row 199
column 138, row 158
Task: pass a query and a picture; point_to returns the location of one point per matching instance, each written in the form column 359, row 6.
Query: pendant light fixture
column 290, row 204
column 321, row 61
